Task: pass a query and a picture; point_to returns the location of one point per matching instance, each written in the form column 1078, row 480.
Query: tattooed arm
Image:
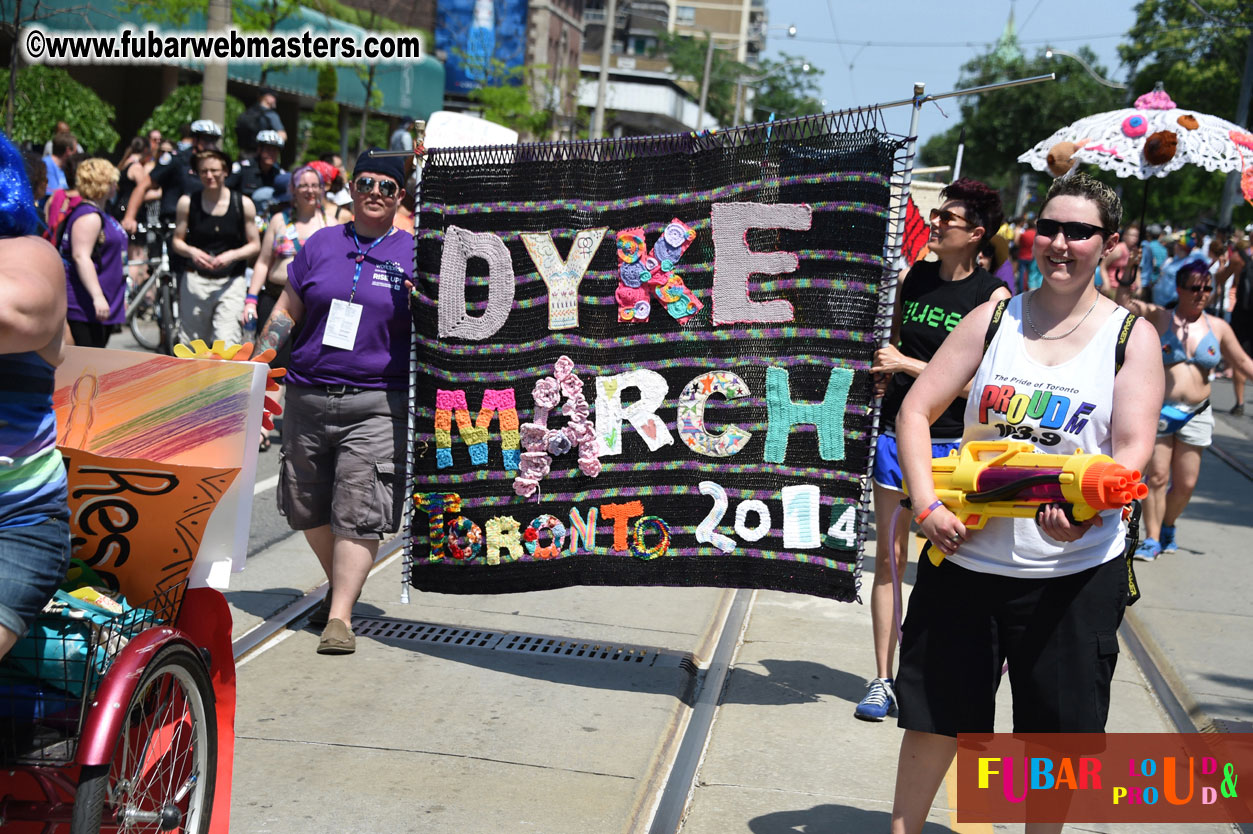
column 287, row 311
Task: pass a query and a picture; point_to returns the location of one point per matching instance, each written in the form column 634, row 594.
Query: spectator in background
column 63, row 200
column 176, row 175
column 133, row 183
column 37, row 173
column 256, row 119
column 336, row 190
column 62, row 127
column 1115, row 266
column 1022, row 252
column 255, row 178
column 216, row 230
column 93, row 247
column 1153, row 257
column 61, row 146
column 402, row 138
column 1164, row 292
column 185, row 137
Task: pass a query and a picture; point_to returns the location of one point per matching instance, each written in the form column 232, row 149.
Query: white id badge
column 341, row 325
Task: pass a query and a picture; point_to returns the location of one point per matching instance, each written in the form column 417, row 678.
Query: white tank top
column 1058, row 409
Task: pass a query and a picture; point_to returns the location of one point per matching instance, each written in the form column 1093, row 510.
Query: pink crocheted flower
column 1133, row 127
column 547, row 393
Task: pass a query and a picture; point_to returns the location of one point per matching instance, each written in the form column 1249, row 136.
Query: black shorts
column 1058, row 634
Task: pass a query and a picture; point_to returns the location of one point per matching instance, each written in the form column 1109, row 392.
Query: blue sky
column 939, row 38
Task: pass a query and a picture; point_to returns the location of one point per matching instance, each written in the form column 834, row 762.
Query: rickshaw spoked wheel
column 165, row 764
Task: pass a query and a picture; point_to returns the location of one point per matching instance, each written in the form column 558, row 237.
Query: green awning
column 412, row 88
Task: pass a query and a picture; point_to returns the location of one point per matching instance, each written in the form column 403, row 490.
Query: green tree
column 45, row 95
column 788, row 87
column 1197, row 50
column 687, row 58
column 324, row 137
column 183, row 106
column 1002, row 124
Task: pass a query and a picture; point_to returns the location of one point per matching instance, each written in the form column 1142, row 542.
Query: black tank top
column 930, row 309
column 125, row 188
column 217, row 234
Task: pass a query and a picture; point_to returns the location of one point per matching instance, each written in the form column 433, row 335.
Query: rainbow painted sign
column 646, row 362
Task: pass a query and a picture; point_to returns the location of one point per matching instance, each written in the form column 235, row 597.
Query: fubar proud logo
column 1099, row 778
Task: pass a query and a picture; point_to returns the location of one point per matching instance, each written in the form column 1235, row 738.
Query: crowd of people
column 255, row 247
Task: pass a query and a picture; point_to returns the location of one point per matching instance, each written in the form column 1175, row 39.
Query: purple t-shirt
column 110, row 269
column 322, row 272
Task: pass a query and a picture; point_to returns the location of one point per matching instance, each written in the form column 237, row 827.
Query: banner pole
column 411, row 468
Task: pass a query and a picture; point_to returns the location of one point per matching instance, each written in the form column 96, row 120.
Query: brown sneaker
column 337, row 638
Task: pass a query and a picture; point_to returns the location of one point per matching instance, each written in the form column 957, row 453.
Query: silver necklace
column 1027, row 307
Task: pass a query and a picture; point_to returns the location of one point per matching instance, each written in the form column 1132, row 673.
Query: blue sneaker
column 1167, row 539
column 879, row 701
column 1148, row 550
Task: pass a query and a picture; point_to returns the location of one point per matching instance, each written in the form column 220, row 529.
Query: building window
column 685, row 15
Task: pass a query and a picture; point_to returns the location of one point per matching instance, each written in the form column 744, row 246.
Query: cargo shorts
column 343, row 458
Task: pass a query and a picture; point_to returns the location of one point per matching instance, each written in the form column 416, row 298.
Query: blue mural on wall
column 483, row 40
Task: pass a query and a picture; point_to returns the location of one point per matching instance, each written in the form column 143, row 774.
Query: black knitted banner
column 645, row 361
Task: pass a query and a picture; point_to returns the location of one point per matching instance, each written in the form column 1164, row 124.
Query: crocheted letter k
column 459, row 247
column 827, row 415
column 735, row 263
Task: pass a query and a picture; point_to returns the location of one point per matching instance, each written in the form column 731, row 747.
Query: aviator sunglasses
column 365, row 185
column 948, row 218
column 1073, row 230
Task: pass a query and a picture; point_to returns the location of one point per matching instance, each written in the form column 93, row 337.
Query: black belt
column 340, row 390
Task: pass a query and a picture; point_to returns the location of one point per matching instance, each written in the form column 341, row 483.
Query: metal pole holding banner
column 896, row 235
column 411, row 464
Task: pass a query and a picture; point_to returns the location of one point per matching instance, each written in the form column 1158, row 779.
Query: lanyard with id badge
column 345, row 316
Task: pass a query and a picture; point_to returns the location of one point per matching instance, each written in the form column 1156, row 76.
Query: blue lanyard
column 360, row 256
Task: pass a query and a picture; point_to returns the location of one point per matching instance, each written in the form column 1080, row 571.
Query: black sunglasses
column 948, row 218
column 1201, row 289
column 1073, row 230
column 365, row 185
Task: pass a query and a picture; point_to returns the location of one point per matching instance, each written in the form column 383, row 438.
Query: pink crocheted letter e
column 734, row 262
column 459, row 247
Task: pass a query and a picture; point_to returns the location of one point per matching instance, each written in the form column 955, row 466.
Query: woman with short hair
column 1045, row 594
column 93, row 247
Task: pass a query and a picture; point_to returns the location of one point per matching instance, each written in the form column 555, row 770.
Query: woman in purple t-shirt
column 93, row 246
column 342, row 474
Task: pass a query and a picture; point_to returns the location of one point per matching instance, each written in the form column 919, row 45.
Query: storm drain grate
column 559, row 647
column 426, row 633
column 520, row 643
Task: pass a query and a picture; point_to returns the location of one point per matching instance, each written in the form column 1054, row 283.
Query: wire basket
column 48, row 678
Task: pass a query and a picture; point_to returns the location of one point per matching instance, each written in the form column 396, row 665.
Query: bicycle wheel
column 167, row 316
column 142, row 315
column 165, row 764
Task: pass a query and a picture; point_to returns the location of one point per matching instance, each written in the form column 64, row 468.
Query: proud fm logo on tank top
column 1024, row 409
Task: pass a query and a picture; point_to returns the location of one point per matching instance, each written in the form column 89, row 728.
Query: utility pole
column 1231, row 188
column 602, row 86
column 704, row 81
column 213, row 91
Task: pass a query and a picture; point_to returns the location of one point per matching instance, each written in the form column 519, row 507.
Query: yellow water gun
column 1010, row 479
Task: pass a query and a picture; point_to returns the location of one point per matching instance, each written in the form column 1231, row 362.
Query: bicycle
column 152, row 304
column 149, row 767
